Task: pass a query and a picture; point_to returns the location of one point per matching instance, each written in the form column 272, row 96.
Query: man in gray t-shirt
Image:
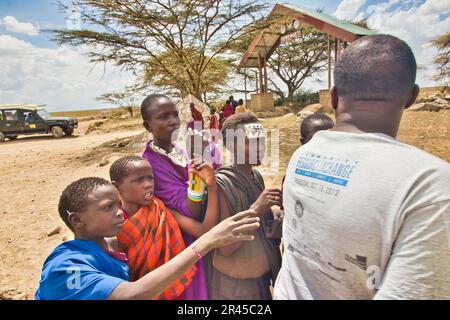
column 367, row 217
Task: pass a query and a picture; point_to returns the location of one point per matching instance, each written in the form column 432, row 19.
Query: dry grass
column 429, row 131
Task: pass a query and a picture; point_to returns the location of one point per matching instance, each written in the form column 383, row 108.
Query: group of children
column 146, row 234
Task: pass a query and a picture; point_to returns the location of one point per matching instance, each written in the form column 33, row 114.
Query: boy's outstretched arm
column 151, row 285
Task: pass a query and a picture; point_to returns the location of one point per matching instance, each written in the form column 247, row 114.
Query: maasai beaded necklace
column 175, row 156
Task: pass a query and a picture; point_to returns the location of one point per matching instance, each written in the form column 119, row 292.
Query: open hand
column 233, row 229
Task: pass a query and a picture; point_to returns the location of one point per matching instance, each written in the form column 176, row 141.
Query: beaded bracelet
column 195, row 197
column 196, row 251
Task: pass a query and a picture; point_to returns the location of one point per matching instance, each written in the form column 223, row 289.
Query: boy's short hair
column 148, row 102
column 119, row 169
column 233, row 121
column 317, row 117
column 74, row 196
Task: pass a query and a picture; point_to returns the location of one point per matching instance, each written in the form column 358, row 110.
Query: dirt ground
column 35, row 169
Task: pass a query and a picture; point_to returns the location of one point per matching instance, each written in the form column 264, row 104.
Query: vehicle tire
column 68, row 131
column 57, row 132
column 12, row 137
column 2, row 137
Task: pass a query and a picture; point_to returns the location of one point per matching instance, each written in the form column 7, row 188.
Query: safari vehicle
column 17, row 119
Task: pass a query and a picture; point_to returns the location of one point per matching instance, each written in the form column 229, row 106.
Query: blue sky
column 35, row 70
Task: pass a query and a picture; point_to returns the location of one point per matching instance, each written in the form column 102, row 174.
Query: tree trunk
column 291, row 92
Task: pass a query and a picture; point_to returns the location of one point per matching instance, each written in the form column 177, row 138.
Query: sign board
column 291, row 36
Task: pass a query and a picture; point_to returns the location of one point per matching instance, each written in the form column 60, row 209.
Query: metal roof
column 21, row 106
column 266, row 41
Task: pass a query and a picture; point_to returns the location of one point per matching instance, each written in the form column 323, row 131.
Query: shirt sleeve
column 419, row 266
column 76, row 279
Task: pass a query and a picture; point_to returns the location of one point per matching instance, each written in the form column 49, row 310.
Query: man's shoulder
column 422, row 158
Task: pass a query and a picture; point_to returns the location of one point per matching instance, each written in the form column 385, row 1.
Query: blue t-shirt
column 80, row 270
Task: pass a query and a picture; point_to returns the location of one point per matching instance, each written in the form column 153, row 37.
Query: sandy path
column 33, row 172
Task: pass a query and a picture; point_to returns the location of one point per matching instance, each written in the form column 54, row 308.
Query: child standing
column 170, row 165
column 150, row 235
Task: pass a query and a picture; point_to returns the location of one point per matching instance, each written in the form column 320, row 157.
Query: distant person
column 312, row 124
column 227, row 109
column 213, row 154
column 197, row 117
column 366, row 216
column 213, row 120
column 240, row 107
column 91, row 267
column 233, row 103
column 221, row 119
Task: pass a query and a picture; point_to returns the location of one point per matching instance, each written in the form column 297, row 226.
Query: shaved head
column 376, row 68
column 149, row 104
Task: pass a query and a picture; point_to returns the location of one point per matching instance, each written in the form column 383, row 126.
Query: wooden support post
column 329, row 62
column 261, row 85
column 335, row 51
column 257, row 90
column 265, row 75
column 245, row 85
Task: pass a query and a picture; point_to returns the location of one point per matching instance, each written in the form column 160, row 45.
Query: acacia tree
column 176, row 83
column 125, row 99
column 442, row 60
column 138, row 34
column 295, row 61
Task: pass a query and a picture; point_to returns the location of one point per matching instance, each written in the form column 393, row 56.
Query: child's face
column 138, row 186
column 251, row 151
column 102, row 216
column 164, row 121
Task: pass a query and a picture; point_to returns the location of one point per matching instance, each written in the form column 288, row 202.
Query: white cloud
column 15, row 26
column 348, row 9
column 62, row 78
column 381, row 7
column 416, row 25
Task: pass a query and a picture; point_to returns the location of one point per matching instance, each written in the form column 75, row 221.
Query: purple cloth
column 171, row 184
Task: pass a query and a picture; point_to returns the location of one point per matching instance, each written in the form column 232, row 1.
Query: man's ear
column 75, row 221
column 334, row 98
column 147, row 126
column 414, row 94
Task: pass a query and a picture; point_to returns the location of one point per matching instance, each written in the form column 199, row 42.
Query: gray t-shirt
column 366, row 217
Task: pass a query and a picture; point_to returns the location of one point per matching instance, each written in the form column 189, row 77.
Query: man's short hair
column 148, row 103
column 119, row 169
column 377, row 68
column 75, row 195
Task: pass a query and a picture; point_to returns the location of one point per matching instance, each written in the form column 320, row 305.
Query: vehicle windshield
column 43, row 113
